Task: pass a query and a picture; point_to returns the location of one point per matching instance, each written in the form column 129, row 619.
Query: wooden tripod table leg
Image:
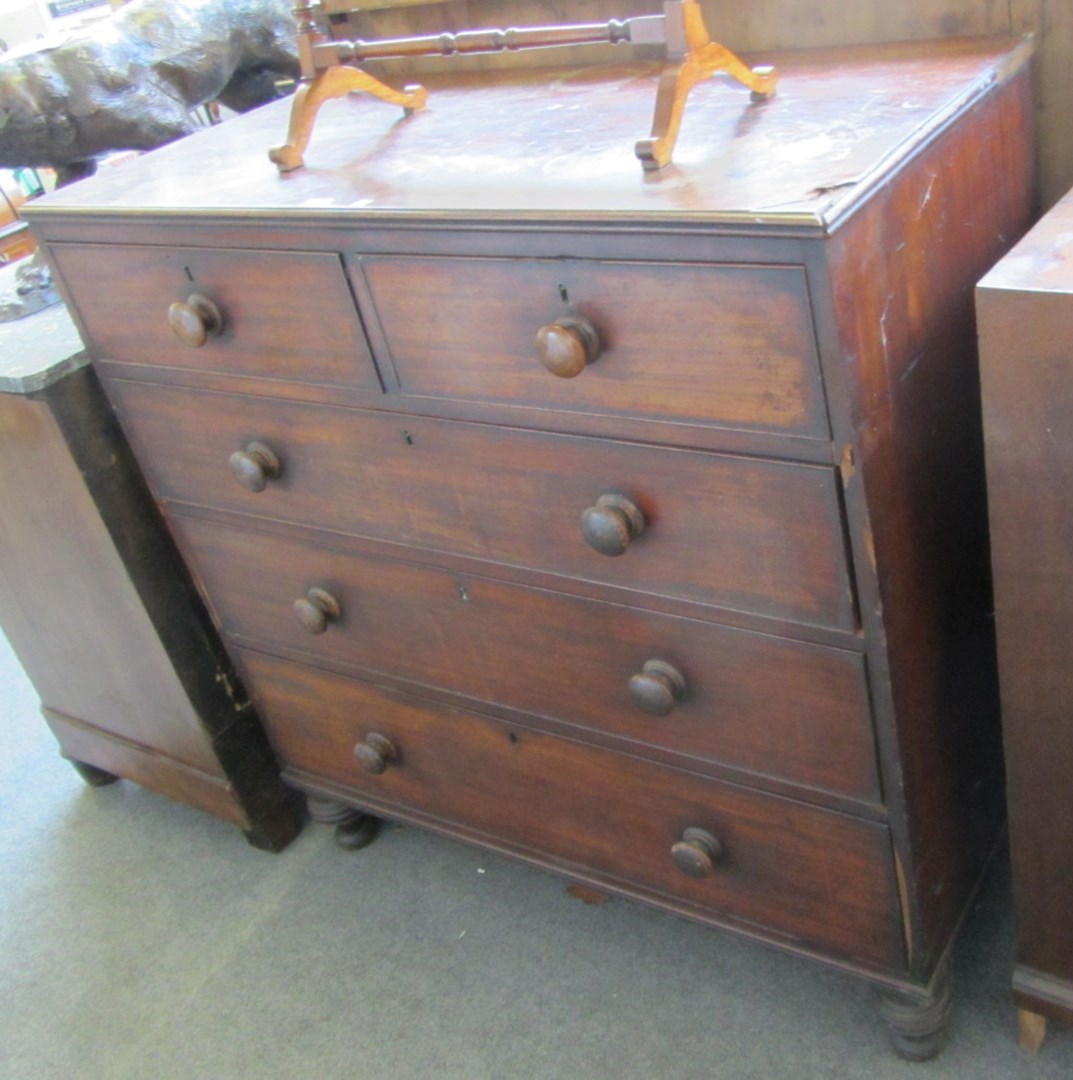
column 330, row 83
column 674, row 87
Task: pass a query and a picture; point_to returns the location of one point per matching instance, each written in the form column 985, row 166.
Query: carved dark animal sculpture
column 131, row 82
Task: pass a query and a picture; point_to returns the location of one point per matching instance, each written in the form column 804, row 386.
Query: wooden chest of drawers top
column 552, row 148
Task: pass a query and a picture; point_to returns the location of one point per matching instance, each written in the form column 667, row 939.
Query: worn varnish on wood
column 756, row 29
column 668, row 483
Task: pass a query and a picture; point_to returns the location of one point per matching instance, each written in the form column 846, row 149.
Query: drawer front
column 813, row 876
column 726, row 345
column 742, row 534
column 754, row 702
column 286, row 315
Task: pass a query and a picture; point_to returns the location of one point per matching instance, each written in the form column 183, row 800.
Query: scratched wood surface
column 757, row 25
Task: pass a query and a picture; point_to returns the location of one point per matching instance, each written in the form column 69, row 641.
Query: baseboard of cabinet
column 90, row 745
column 1049, row 995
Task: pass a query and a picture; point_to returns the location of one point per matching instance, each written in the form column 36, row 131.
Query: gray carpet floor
column 142, row 939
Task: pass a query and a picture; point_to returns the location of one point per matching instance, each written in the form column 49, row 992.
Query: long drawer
column 811, row 875
column 720, row 344
column 750, row 701
column 762, row 537
column 288, row 315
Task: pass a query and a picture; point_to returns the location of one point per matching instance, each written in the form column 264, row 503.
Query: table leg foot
column 334, row 82
column 92, row 775
column 1031, row 1030
column 354, row 829
column 917, row 1025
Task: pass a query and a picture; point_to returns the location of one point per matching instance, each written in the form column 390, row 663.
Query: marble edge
column 42, row 379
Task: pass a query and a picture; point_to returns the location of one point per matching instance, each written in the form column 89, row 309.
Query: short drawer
column 285, row 315
column 726, row 345
column 806, row 875
column 752, row 702
column 761, row 537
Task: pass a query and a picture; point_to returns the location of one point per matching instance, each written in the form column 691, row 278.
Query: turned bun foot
column 357, row 831
column 92, row 775
column 917, row 1026
column 353, row 828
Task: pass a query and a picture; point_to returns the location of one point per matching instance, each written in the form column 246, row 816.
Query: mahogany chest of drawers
column 633, row 524
column 1025, row 307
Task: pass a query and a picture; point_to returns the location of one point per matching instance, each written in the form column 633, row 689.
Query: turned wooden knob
column 697, row 853
column 612, row 524
column 567, row 345
column 657, row 687
column 194, row 322
column 375, row 753
column 254, row 466
column 316, row 609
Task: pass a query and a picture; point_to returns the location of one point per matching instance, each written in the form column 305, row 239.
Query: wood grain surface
column 761, row 26
column 519, row 151
column 1025, row 310
column 806, row 874
column 763, row 537
column 730, row 345
column 753, row 702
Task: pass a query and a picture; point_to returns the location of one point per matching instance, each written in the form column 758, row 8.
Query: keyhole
column 407, row 438
column 463, row 594
column 563, row 294
column 189, row 275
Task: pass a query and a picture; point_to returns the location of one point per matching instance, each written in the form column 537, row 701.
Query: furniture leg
column 699, row 58
column 353, row 828
column 1031, row 1030
column 674, row 86
column 334, row 82
column 917, row 1025
column 92, row 775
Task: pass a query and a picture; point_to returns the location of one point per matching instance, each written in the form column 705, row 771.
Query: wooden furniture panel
column 749, row 701
column 918, row 480
column 820, row 877
column 288, row 314
column 730, row 345
column 763, row 537
column 1025, row 308
column 97, row 607
column 37, row 467
column 427, row 530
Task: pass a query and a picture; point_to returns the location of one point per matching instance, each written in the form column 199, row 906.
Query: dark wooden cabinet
column 98, row 607
column 1025, row 310
column 631, row 523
